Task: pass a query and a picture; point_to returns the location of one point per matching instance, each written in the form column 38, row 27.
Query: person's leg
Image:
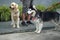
column 23, row 17
column 24, row 11
column 23, row 20
column 29, row 16
column 28, row 19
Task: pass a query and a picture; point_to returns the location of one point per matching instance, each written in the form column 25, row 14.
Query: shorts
column 26, row 4
column 24, row 10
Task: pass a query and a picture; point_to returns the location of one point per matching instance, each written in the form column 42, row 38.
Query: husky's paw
column 38, row 31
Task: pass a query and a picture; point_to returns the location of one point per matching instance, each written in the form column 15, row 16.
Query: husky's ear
column 34, row 7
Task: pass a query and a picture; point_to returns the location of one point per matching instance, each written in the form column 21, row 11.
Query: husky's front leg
column 37, row 28
column 37, row 25
column 18, row 23
column 40, row 27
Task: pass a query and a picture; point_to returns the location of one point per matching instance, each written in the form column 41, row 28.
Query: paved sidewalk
column 6, row 28
column 48, row 35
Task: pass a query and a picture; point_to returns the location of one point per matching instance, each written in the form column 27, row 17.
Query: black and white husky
column 36, row 19
column 40, row 17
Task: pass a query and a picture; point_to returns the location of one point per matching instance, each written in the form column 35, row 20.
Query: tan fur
column 14, row 14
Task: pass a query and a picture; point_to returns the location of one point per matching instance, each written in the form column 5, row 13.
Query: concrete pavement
column 6, row 28
column 7, row 32
column 48, row 35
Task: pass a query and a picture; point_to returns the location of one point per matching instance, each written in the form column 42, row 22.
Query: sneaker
column 24, row 24
column 29, row 22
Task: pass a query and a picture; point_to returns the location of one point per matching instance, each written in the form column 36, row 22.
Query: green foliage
column 41, row 7
column 4, row 13
column 54, row 7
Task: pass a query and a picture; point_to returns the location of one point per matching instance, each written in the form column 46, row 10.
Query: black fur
column 47, row 15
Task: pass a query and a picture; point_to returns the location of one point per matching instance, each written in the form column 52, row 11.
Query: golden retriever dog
column 14, row 14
